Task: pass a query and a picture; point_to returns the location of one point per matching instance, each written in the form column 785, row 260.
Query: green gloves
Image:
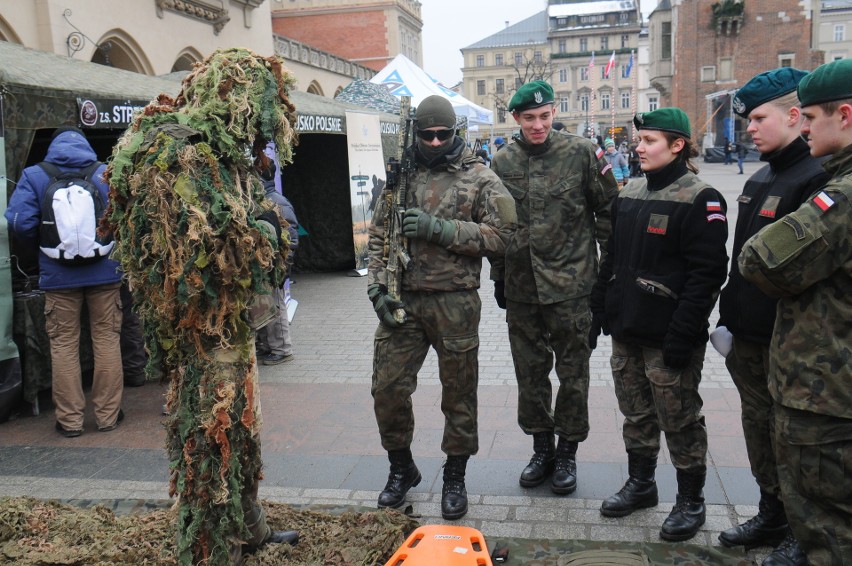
column 424, row 226
column 384, row 305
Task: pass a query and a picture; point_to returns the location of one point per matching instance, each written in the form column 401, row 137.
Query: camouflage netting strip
column 183, row 214
column 35, row 532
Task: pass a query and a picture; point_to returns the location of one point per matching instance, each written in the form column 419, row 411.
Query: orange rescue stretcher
column 447, row 545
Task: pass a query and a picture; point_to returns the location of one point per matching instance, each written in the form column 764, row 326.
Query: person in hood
column 68, row 287
column 457, row 211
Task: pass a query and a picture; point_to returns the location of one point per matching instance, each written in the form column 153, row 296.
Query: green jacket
column 467, row 192
column 563, row 189
column 806, row 259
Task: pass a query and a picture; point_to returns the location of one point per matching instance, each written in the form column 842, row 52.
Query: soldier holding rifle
column 443, row 210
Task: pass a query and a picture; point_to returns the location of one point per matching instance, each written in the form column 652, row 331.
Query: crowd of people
column 583, row 239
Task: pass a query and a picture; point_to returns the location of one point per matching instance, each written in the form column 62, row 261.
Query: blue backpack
column 71, row 209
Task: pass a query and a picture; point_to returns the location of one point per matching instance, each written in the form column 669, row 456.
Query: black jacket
column 775, row 190
column 666, row 259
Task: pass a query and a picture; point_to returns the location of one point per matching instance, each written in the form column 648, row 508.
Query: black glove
column 677, row 352
column 384, row 305
column 599, row 324
column 500, row 293
column 267, row 173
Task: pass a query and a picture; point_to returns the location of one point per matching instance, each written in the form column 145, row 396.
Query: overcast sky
column 449, row 25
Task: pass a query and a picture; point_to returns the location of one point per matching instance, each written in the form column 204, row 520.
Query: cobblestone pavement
column 321, row 445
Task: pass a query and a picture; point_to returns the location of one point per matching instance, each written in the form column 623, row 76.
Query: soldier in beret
column 563, row 188
column 805, row 260
column 665, row 263
column 457, row 212
column 791, row 174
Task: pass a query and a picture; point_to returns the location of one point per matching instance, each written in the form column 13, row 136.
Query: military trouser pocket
column 820, row 455
column 669, row 397
column 381, row 356
column 459, row 366
column 626, row 403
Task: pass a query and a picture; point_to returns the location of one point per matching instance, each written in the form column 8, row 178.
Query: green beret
column 672, row 120
column 829, row 82
column 531, row 95
column 765, row 87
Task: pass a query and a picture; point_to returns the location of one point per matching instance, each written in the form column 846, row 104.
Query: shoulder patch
column 716, row 216
column 769, row 208
column 606, row 168
column 823, row 201
column 599, row 153
column 714, row 206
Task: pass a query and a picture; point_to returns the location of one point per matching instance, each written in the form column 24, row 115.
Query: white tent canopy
column 403, row 78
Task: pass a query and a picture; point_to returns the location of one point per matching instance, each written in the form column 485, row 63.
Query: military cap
column 531, row 95
column 827, row 83
column 670, row 119
column 765, row 87
column 434, row 111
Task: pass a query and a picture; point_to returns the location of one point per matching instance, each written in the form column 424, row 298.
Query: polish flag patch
column 714, row 206
column 823, row 201
column 599, row 153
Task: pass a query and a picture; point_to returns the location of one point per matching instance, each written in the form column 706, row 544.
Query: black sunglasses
column 429, row 135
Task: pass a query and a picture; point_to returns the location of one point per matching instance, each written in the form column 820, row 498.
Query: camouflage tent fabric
column 369, row 95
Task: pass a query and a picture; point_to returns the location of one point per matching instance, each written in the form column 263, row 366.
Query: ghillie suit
column 184, row 208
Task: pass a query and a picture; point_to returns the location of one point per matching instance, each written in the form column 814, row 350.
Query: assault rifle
column 398, row 172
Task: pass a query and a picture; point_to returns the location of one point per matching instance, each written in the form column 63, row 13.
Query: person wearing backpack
column 74, row 269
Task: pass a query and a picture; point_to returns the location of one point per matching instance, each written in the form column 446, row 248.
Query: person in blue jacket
column 618, row 162
column 67, row 287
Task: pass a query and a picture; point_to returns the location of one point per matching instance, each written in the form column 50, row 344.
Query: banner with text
column 366, row 177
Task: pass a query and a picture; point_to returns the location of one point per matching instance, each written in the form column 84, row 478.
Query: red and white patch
column 714, row 206
column 599, row 153
column 712, row 217
column 607, row 167
column 823, row 201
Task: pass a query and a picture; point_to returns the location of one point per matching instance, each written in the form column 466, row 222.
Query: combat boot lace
column 689, row 512
column 403, row 476
column 639, row 492
column 767, row 528
column 454, row 493
column 541, row 464
column 788, row 553
column 564, row 480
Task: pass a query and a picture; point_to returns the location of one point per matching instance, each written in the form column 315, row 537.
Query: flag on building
column 592, row 60
column 629, row 65
column 609, row 65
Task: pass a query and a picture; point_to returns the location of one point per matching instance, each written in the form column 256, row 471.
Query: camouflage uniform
column 665, row 264
column 562, row 189
column 778, row 188
column 806, row 260
column 439, row 290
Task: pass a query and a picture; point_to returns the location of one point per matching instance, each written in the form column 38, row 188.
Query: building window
column 604, row 101
column 624, row 70
column 584, row 44
column 605, row 42
column 625, row 40
column 480, row 88
column 480, row 60
column 652, row 103
column 499, row 86
column 708, row 73
column 563, row 104
column 726, row 69
column 563, row 46
column 839, row 32
column 786, row 59
column 537, row 56
column 519, row 82
column 584, row 73
column 561, row 22
column 584, row 102
column 498, row 59
column 519, row 59
column 625, row 99
column 603, row 72
column 666, row 40
column 501, row 116
column 563, row 75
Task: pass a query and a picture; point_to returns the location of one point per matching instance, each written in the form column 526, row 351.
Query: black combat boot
column 767, row 528
column 639, row 491
column 564, row 480
column 454, row 494
column 541, row 464
column 788, row 553
column 688, row 513
column 403, row 476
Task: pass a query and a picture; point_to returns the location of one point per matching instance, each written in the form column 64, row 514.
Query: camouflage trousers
column 449, row 323
column 537, row 334
column 814, row 466
column 654, row 398
column 748, row 364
